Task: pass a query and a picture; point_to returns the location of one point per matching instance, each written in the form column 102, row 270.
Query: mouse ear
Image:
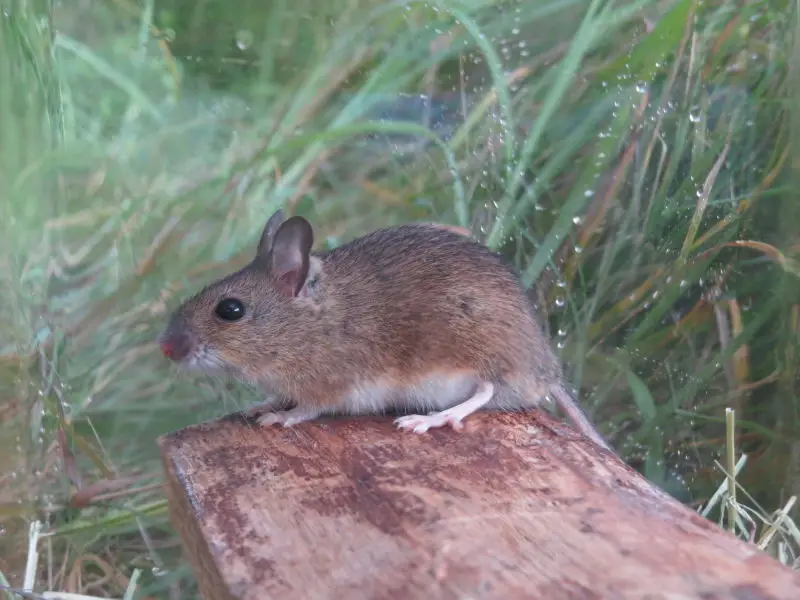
column 265, row 243
column 289, row 258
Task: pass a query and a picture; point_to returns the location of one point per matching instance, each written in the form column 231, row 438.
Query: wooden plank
column 515, row 506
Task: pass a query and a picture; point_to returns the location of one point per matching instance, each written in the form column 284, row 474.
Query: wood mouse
column 416, row 317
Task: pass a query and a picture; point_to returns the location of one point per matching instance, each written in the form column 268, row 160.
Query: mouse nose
column 167, row 348
column 175, row 347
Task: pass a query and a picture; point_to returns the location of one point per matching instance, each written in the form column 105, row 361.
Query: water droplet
column 244, row 39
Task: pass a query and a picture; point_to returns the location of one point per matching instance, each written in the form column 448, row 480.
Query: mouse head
column 248, row 322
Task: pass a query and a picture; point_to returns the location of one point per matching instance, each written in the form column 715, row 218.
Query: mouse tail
column 567, row 403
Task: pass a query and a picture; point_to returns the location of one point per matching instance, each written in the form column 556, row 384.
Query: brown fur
column 397, row 306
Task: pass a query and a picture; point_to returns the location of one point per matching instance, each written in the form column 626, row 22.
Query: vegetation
column 630, row 157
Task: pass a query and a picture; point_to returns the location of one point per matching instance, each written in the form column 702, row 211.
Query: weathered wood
column 515, row 506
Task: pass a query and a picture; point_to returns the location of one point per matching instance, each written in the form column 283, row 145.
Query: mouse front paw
column 422, row 423
column 260, row 408
column 287, row 418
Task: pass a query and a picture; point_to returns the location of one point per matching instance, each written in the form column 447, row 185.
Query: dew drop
column 244, row 39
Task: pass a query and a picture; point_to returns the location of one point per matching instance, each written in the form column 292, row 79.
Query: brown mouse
column 411, row 318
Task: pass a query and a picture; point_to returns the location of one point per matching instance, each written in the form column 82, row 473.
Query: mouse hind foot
column 521, row 392
column 453, row 416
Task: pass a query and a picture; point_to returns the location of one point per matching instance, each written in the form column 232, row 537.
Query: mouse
column 419, row 319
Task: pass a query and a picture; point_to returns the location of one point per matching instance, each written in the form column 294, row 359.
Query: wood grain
column 515, row 506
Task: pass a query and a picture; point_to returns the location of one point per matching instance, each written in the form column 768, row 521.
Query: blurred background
column 632, row 158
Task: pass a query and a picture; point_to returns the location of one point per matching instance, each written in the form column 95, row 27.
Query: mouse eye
column 230, row 309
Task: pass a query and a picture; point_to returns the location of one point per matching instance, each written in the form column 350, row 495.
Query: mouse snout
column 175, row 346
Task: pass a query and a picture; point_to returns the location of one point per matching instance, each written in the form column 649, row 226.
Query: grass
column 630, row 158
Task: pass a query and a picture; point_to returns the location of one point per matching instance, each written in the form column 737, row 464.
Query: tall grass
column 629, row 157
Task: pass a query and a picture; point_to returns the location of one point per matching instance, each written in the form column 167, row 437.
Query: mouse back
column 423, row 294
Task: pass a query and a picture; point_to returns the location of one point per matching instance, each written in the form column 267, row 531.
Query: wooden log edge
column 517, row 505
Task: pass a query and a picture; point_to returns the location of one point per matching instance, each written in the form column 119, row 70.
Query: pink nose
column 168, row 349
column 175, row 342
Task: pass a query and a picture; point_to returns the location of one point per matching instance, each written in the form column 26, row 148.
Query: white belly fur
column 430, row 393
